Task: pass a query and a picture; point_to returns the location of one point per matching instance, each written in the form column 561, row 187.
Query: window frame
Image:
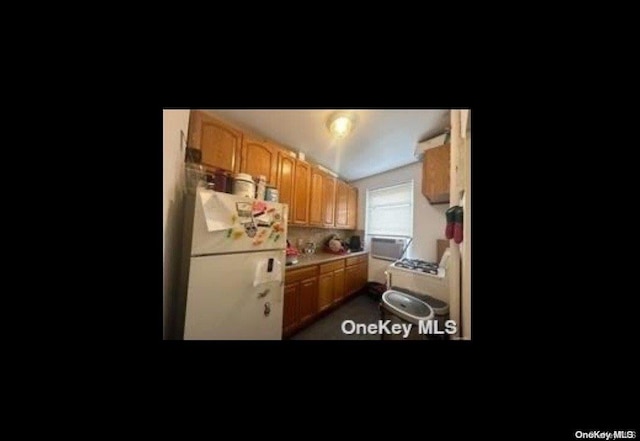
column 368, row 213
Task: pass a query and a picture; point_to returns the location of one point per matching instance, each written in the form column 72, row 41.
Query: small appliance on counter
column 335, row 245
column 354, row 244
column 310, row 248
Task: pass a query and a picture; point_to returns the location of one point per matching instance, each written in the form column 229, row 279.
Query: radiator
column 387, row 249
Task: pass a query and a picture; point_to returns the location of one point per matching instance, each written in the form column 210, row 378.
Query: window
column 390, row 211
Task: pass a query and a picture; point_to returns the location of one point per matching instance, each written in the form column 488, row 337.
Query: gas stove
column 419, row 276
column 417, row 265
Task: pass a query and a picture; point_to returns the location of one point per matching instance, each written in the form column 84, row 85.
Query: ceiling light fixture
column 340, row 124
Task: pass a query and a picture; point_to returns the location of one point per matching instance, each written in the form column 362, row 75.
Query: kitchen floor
column 361, row 309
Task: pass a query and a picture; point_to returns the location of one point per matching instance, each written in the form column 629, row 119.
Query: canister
column 243, row 185
column 222, row 181
column 271, row 194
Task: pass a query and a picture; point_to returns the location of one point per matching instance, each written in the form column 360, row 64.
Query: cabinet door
column 328, row 200
column 290, row 316
column 315, row 198
column 352, row 207
column 351, row 279
column 342, row 200
column 220, row 144
column 325, row 291
column 308, row 298
column 301, row 193
column 286, row 177
column 362, row 275
column 338, row 285
column 259, row 158
column 435, row 174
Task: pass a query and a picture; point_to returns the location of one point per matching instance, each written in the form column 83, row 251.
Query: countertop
column 320, row 258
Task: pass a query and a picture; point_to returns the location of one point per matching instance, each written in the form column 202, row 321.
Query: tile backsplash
column 317, row 235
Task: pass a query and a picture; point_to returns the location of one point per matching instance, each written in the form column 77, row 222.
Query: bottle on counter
column 261, row 187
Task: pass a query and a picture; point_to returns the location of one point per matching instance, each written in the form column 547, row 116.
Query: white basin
column 406, row 307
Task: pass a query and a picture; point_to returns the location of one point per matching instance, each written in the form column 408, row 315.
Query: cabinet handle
column 263, row 293
column 267, row 309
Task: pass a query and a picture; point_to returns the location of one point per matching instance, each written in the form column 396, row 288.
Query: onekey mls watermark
column 599, row 434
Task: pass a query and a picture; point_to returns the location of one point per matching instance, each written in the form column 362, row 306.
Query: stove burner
column 418, row 265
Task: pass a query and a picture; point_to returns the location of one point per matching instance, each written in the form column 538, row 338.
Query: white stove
column 420, row 276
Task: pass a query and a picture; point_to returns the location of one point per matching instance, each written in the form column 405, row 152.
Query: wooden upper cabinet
column 315, row 198
column 286, row 179
column 301, row 193
column 435, row 174
column 259, row 158
column 342, row 202
column 328, row 200
column 352, row 207
column 220, row 144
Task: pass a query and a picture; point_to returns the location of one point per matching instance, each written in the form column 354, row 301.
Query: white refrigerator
column 236, row 268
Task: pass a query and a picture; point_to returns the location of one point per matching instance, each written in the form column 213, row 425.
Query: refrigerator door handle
column 263, row 293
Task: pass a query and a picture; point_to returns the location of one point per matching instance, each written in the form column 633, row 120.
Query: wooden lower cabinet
column 300, row 304
column 308, row 299
column 330, row 289
column 351, row 279
column 356, row 276
column 312, row 290
column 290, row 316
column 325, row 291
column 338, row 285
column 363, row 270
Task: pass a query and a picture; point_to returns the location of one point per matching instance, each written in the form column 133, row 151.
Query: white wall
column 174, row 121
column 429, row 220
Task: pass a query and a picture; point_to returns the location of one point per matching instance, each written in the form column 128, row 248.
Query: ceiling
column 381, row 140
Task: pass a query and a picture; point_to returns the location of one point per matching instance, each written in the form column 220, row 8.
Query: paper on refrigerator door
column 218, row 215
column 263, row 275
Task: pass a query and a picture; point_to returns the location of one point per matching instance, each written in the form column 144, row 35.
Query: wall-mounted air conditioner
column 387, row 249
